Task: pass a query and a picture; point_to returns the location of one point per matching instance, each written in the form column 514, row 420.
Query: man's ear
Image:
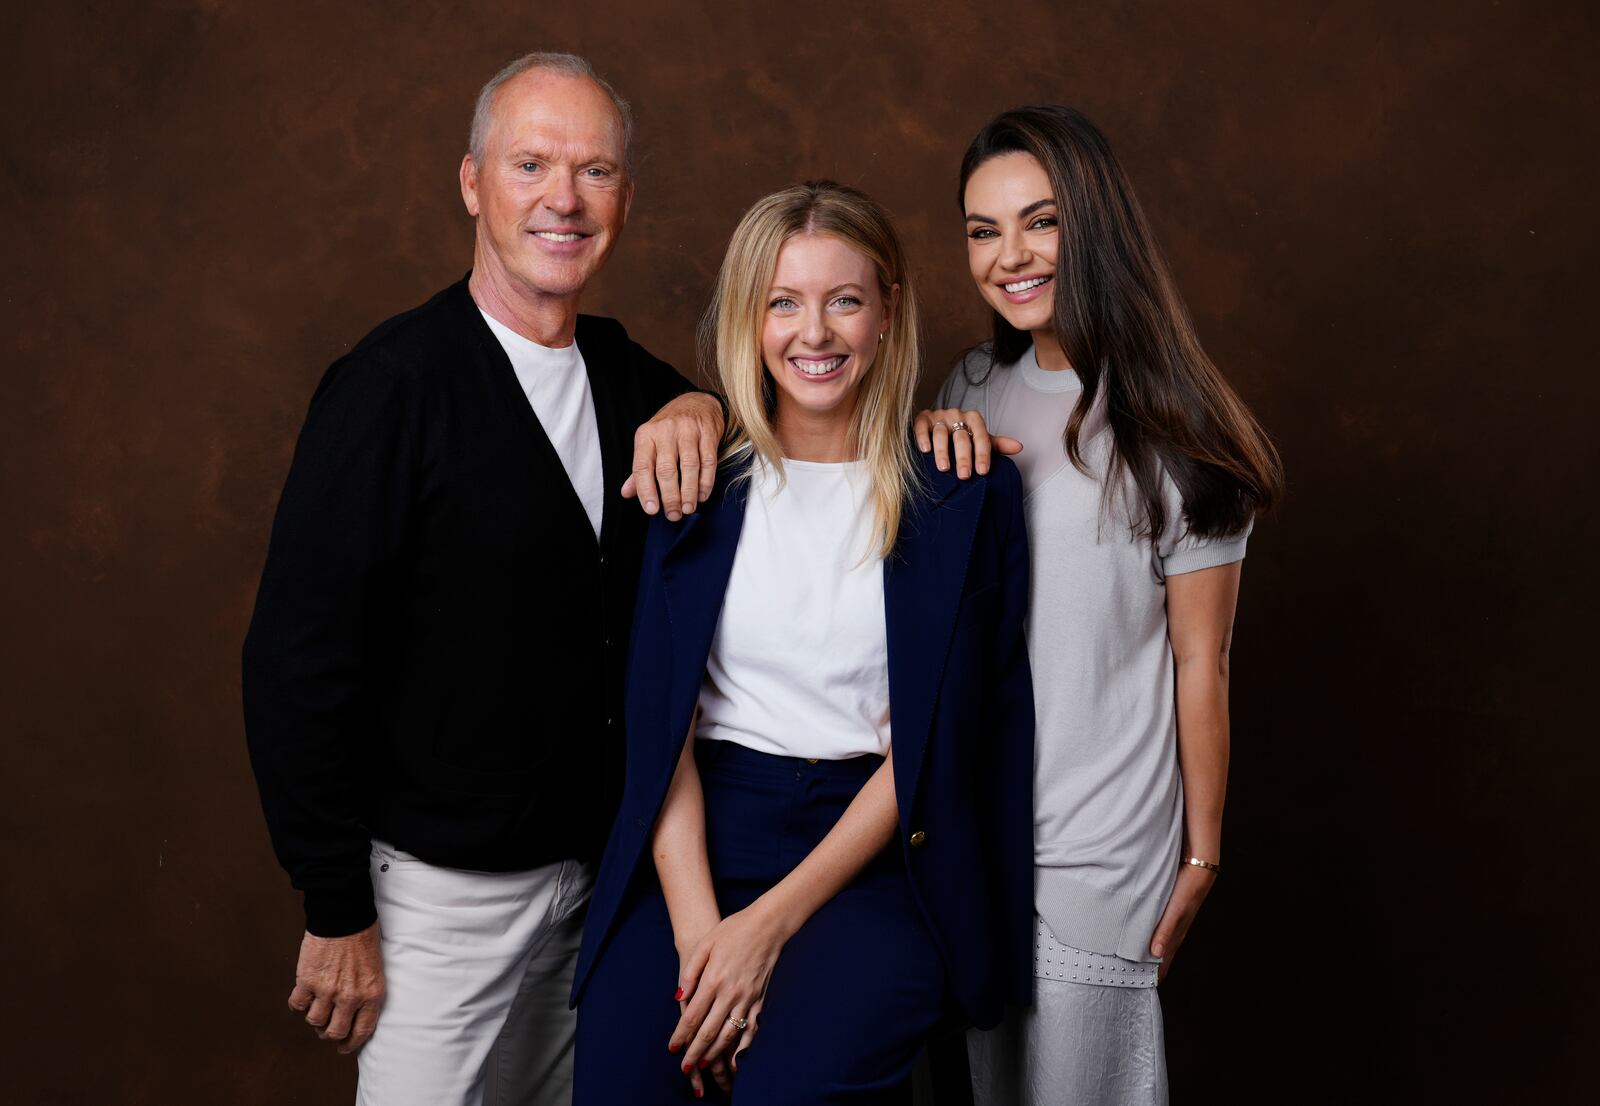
column 469, row 185
column 627, row 202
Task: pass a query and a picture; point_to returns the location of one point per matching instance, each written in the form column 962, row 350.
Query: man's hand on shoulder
column 338, row 986
column 675, row 456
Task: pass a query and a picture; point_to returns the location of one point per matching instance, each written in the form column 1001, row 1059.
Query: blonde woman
column 830, row 719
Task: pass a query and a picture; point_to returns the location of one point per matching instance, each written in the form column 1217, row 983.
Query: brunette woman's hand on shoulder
column 971, row 446
column 724, row 981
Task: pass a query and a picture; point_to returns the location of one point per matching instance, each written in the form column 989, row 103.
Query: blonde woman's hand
column 725, row 982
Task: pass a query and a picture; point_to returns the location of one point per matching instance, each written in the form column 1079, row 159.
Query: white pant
column 477, row 968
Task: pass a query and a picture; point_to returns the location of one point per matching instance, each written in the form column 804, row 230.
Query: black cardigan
column 435, row 658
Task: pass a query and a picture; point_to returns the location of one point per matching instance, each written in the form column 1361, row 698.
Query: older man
column 433, row 674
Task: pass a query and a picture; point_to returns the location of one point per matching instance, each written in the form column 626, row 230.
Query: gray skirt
column 1092, row 1037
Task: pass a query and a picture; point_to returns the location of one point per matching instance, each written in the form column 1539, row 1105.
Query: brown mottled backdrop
column 1382, row 216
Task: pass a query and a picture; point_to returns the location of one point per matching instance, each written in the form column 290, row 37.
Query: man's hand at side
column 675, row 456
column 338, row 986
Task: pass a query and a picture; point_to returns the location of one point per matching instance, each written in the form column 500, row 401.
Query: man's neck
column 548, row 320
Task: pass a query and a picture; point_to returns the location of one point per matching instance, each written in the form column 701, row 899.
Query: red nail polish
column 704, row 1064
column 677, row 995
column 687, row 1068
column 698, row 1093
column 674, row 1047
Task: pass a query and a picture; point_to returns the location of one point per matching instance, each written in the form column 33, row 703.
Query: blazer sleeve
column 1012, row 707
column 307, row 655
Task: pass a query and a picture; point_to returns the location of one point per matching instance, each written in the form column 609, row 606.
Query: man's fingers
column 628, row 487
column 1009, row 446
column 644, row 472
column 688, row 468
column 338, row 1027
column 366, row 1024
column 321, row 1010
column 709, row 444
column 921, row 427
column 300, row 998
column 667, row 482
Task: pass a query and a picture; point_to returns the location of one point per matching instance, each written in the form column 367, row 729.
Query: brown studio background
column 1381, row 216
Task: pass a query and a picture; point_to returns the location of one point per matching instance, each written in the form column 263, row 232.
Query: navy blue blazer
column 960, row 708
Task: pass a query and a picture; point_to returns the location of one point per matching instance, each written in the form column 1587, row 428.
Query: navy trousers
column 855, row 992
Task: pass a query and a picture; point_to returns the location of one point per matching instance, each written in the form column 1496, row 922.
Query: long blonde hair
column 730, row 338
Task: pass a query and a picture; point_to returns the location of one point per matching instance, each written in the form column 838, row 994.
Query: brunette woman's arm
column 726, row 975
column 1200, row 608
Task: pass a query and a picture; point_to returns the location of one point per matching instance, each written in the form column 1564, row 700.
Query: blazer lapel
column 922, row 583
column 694, row 581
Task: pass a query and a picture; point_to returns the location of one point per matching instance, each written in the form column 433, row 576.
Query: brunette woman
column 1143, row 472
column 826, row 824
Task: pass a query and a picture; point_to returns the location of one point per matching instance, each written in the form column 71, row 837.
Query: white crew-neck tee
column 799, row 664
column 557, row 386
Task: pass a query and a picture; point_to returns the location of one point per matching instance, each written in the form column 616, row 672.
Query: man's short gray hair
column 570, row 64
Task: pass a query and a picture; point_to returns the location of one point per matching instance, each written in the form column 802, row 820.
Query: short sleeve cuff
column 1207, row 555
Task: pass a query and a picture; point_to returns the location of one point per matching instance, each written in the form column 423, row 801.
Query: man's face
column 552, row 193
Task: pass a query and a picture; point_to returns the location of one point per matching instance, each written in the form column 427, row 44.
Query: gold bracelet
column 1206, row 864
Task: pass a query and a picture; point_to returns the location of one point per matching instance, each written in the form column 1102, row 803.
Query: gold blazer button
column 917, row 838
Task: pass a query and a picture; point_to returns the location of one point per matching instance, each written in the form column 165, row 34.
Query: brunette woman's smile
column 1026, row 289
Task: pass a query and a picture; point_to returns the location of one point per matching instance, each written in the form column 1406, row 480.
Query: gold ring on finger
column 959, row 424
column 739, row 1023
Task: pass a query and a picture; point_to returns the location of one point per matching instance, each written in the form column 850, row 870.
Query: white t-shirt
column 800, row 663
column 557, row 386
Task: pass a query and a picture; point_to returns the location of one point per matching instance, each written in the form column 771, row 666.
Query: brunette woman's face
column 824, row 315
column 1013, row 237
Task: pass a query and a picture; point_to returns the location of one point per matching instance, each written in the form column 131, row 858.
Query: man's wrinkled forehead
column 556, row 115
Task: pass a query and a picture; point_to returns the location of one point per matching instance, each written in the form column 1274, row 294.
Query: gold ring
column 739, row 1023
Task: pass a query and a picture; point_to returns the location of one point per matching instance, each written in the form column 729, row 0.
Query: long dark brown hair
column 1127, row 333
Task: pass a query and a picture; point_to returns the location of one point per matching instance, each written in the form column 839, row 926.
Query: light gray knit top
column 1108, row 800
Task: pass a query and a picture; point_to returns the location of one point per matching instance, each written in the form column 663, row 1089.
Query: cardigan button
column 917, row 839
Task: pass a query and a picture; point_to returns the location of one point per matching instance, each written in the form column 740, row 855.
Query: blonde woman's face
column 1013, row 237
column 823, row 318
